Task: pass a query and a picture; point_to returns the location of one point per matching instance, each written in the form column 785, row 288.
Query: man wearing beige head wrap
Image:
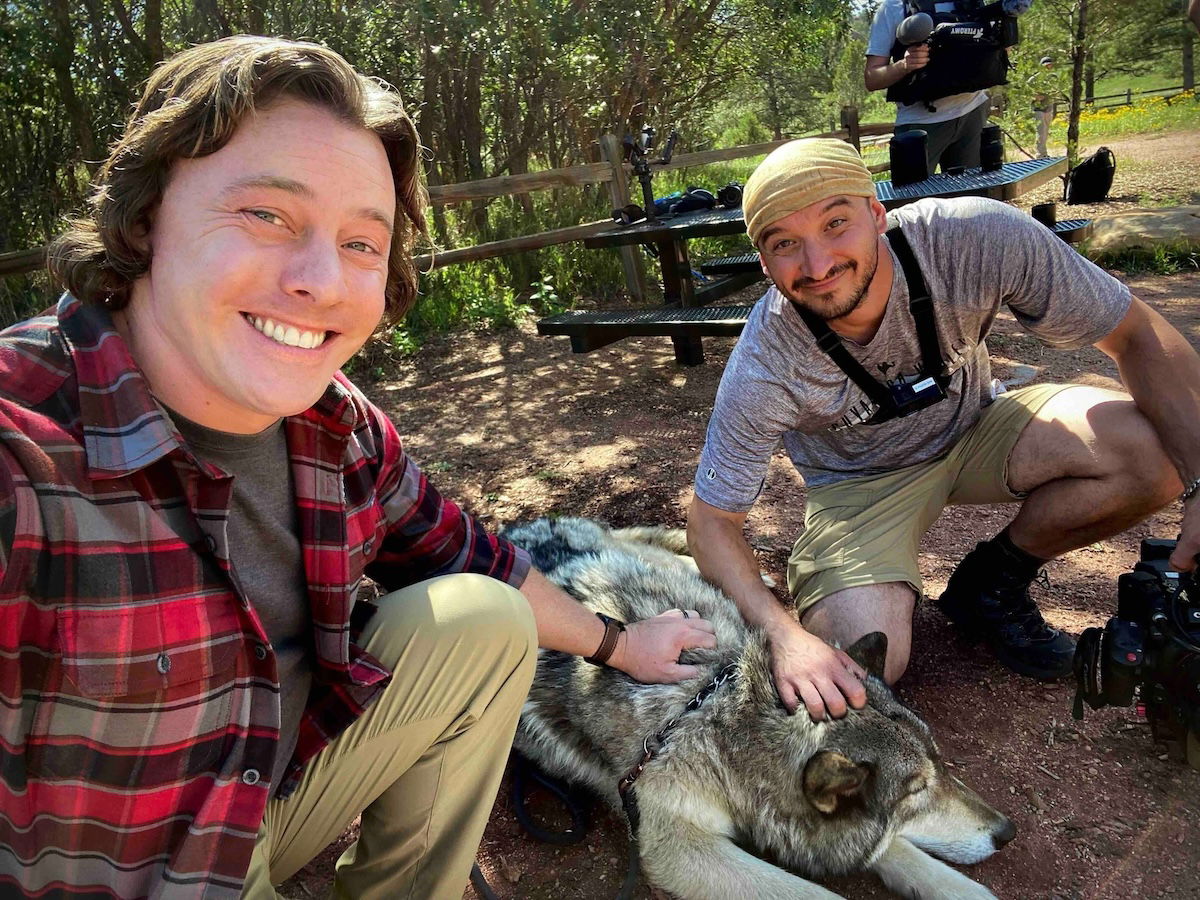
column 866, row 360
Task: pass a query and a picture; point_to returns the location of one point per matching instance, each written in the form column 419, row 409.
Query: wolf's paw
column 962, row 888
column 913, row 873
column 947, row 884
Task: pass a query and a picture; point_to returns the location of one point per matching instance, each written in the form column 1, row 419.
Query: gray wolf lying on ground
column 738, row 780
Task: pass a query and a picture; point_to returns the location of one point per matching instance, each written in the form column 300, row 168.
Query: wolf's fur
column 864, row 791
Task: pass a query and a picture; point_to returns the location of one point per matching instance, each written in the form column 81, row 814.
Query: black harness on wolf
column 652, row 745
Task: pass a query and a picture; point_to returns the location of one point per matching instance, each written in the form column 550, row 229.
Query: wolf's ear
column 829, row 777
column 870, row 652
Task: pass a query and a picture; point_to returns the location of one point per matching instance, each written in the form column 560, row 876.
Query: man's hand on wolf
column 807, row 670
column 649, row 650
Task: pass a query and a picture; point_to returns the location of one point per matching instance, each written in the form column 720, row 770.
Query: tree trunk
column 1078, row 55
column 433, row 113
column 154, row 39
column 773, row 106
column 1189, row 72
column 473, row 137
column 62, row 54
column 1089, row 83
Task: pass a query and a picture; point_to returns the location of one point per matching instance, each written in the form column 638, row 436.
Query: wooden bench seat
column 592, row 329
column 1070, row 230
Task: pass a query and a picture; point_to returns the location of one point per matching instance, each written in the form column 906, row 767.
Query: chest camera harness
column 897, row 398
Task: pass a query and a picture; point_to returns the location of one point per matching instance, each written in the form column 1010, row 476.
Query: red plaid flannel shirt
column 139, row 722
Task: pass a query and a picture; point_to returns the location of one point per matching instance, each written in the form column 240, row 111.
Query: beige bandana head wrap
column 799, row 174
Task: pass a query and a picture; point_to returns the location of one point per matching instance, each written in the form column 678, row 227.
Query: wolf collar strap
column 1190, row 490
column 608, row 643
column 653, row 743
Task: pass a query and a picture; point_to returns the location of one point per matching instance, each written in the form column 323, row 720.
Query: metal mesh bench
column 729, row 265
column 591, row 329
column 1073, row 230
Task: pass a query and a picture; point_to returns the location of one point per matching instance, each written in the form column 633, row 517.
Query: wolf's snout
column 1004, row 834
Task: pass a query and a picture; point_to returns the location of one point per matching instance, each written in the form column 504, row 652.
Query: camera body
column 916, row 396
column 1149, row 650
column 636, row 152
column 987, row 23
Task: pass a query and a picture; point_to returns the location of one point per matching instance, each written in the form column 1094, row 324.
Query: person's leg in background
column 962, row 148
column 1044, row 117
column 938, row 138
column 424, row 762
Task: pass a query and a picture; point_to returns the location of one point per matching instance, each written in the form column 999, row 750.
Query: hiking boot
column 988, row 599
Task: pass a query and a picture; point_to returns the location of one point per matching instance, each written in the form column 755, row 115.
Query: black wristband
column 608, row 643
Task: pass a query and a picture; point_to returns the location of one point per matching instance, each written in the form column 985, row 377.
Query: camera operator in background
column 953, row 123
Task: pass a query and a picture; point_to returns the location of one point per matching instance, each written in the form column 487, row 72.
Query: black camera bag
column 1091, row 180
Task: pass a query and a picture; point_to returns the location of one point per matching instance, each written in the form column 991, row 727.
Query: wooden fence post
column 850, row 123
column 618, row 192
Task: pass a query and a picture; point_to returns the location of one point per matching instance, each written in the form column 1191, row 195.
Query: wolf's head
column 862, row 780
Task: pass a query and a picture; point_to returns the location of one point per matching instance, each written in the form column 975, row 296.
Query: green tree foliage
column 497, row 88
column 1090, row 40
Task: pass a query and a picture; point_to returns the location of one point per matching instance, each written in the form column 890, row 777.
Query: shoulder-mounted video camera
column 1149, row 650
column 968, row 42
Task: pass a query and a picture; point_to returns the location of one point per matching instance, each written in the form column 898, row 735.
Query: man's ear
column 830, row 777
column 879, row 213
column 870, row 652
column 140, row 231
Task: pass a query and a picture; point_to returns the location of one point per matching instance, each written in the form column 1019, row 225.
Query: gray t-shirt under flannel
column 976, row 255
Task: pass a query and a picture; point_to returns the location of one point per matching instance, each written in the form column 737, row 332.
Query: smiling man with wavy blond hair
column 196, row 699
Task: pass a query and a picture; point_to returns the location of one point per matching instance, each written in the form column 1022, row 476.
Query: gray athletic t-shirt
column 975, row 255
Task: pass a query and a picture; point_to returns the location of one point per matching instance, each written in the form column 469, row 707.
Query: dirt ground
column 514, row 426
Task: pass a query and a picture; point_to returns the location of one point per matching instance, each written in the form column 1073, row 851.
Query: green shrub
column 1165, row 259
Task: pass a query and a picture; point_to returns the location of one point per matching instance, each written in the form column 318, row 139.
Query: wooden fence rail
column 19, row 262
column 617, row 175
column 1129, row 93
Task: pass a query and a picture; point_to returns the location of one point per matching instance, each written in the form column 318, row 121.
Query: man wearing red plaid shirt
column 194, row 703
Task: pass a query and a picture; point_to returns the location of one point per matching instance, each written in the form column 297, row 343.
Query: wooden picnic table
column 685, row 317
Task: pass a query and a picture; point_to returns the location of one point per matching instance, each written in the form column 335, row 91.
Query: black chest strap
column 920, row 307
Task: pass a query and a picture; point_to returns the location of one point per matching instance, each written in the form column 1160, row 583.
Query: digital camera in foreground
column 1150, row 650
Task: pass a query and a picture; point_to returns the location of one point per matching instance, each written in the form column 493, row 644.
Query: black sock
column 1025, row 561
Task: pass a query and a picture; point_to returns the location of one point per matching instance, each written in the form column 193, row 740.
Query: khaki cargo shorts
column 865, row 530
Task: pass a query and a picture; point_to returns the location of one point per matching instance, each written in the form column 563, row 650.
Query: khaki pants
column 866, row 530
column 424, row 762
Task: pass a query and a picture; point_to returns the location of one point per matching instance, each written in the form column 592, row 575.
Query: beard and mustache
column 828, row 305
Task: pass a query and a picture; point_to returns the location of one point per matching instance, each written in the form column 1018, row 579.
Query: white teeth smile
column 288, row 334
